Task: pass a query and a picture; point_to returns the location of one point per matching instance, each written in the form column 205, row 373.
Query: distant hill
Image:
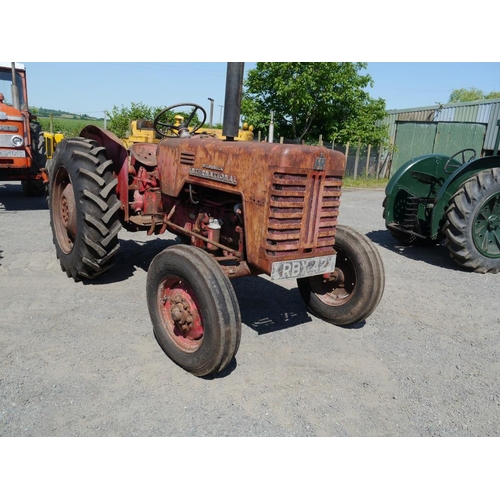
column 45, row 113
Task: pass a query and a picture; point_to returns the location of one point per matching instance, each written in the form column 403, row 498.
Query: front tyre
column 356, row 287
column 83, row 208
column 193, row 309
column 472, row 227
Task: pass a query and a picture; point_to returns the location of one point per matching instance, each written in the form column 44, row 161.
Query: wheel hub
column 181, row 314
column 493, row 223
column 486, row 231
column 68, row 211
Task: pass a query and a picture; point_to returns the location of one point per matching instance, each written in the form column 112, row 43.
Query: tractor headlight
column 17, row 141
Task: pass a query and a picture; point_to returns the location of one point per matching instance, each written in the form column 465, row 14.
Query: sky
column 170, row 55
column 93, row 87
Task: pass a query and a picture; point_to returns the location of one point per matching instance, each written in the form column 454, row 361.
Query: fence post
column 320, row 140
column 281, row 139
column 357, row 159
column 368, row 159
column 378, row 161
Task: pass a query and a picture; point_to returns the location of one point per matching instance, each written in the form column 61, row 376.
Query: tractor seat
column 426, row 178
column 143, row 124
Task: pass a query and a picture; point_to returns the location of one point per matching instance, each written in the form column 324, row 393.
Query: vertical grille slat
column 302, row 213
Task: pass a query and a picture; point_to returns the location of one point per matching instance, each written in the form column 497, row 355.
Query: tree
column 471, row 94
column 308, row 99
column 120, row 118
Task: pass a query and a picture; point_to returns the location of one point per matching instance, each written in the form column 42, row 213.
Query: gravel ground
column 81, row 359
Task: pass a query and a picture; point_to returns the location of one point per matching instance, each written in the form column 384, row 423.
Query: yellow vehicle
column 143, row 131
column 51, row 142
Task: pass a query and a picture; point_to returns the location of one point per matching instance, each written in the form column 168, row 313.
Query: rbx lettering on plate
column 302, row 268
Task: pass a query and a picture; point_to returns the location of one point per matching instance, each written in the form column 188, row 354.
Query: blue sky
column 91, row 88
column 411, row 46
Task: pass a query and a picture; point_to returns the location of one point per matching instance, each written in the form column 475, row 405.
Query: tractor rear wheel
column 193, row 309
column 83, row 208
column 356, row 287
column 472, row 227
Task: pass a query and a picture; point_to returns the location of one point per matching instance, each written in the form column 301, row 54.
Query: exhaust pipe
column 14, row 89
column 232, row 102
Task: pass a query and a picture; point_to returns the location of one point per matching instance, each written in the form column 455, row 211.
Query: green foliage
column 120, row 118
column 309, row 99
column 471, row 94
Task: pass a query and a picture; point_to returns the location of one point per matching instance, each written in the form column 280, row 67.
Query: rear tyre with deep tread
column 83, row 208
column 359, row 283
column 194, row 311
column 472, row 223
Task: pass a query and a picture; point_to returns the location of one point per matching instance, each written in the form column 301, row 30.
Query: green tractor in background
column 455, row 198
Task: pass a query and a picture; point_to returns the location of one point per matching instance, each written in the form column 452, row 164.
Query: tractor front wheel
column 83, row 208
column 472, row 227
column 353, row 291
column 193, row 309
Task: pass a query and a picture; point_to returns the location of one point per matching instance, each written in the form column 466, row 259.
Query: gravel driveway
column 81, row 359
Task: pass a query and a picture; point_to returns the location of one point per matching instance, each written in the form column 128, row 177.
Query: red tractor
column 238, row 208
column 22, row 144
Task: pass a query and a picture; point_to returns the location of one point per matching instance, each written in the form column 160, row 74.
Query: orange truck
column 22, row 144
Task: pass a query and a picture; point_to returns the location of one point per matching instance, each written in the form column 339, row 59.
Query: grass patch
column 70, row 127
column 365, row 182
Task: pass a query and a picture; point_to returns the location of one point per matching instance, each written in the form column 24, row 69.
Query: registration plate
column 13, row 154
column 302, row 268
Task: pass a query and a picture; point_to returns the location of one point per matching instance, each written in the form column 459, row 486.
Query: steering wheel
column 462, row 152
column 162, row 127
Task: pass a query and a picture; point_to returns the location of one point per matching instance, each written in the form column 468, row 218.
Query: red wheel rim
column 180, row 313
column 64, row 211
column 339, row 287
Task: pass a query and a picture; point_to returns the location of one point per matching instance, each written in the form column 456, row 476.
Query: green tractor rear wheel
column 472, row 227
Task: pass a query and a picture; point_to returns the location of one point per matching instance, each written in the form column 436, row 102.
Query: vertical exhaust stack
column 14, row 89
column 232, row 102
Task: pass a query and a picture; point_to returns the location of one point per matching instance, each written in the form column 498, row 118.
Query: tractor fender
column 404, row 179
column 453, row 183
column 117, row 153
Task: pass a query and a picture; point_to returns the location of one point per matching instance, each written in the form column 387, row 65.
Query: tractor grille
column 302, row 213
column 187, row 158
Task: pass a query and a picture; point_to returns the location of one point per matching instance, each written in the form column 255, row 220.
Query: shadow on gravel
column 436, row 255
column 224, row 373
column 267, row 307
column 132, row 255
column 12, row 199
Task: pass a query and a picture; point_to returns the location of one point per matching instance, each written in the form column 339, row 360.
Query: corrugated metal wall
column 485, row 111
